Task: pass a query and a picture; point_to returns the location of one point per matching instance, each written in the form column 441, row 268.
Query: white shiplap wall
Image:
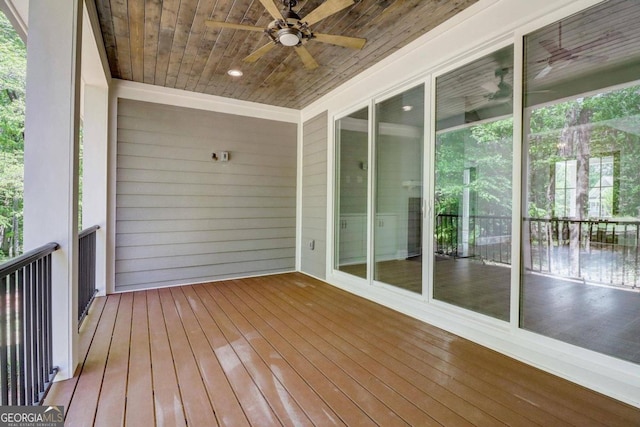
column 314, row 196
column 182, row 217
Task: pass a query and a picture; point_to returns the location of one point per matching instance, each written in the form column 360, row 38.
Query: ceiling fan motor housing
column 289, row 36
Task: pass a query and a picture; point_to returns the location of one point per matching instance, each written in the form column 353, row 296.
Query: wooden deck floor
column 290, row 350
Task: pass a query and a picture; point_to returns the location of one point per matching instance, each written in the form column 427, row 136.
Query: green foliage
column 613, row 130
column 13, row 61
column 485, row 151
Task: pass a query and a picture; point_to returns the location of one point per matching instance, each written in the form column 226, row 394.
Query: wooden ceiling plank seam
column 195, row 39
column 274, row 80
column 188, row 55
column 202, row 49
column 186, row 14
column 136, row 15
column 231, row 13
column 293, row 81
column 234, row 53
column 246, row 42
column 120, row 16
column 153, row 10
column 383, row 47
column 370, row 46
column 103, row 8
column 262, row 72
column 374, row 42
column 303, row 74
column 212, row 37
column 168, row 20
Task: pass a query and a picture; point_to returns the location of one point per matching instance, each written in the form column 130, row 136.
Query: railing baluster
column 26, row 327
column 28, row 351
column 87, row 271
column 3, row 339
column 12, row 341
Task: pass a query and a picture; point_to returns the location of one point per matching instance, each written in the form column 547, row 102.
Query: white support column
column 51, row 159
column 94, row 173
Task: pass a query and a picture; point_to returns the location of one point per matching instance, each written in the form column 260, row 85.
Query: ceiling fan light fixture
column 289, row 36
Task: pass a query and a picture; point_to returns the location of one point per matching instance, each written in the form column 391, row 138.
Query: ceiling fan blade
column 222, row 24
column 272, row 9
column 327, row 8
column 550, row 46
column 259, row 53
column 350, row 42
column 306, row 57
column 546, row 70
column 490, row 87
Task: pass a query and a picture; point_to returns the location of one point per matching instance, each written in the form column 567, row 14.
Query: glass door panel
column 397, row 224
column 580, row 279
column 352, row 148
column 473, row 191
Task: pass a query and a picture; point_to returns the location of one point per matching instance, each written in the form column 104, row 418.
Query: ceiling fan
column 498, row 91
column 290, row 30
column 561, row 57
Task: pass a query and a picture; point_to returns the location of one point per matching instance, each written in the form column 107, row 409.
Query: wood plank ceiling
column 167, row 43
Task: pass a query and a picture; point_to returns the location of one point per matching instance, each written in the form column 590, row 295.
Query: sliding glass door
column 352, row 152
column 581, row 210
column 397, row 225
column 473, row 190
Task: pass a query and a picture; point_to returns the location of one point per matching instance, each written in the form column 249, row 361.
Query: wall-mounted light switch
column 224, row 156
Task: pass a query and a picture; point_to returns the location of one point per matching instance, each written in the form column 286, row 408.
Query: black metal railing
column 600, row 251
column 481, row 236
column 26, row 360
column 87, row 270
column 596, row 250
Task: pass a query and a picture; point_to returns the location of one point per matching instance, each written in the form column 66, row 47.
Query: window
column 581, row 219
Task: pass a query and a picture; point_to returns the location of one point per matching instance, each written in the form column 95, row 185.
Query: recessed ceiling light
column 407, row 107
column 235, row 73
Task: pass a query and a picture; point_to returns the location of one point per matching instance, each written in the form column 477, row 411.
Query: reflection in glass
column 581, row 212
column 351, row 221
column 473, row 191
column 398, row 191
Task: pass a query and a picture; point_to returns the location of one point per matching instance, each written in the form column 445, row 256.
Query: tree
column 13, row 61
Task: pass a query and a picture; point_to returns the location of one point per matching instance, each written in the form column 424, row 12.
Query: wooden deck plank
column 349, row 399
column 314, row 407
column 444, row 370
column 61, row 392
column 223, row 398
column 291, row 350
column 139, row 384
column 283, row 404
column 82, row 408
column 255, row 405
column 578, row 400
column 438, row 409
column 111, row 407
column 166, row 393
column 578, row 404
column 197, row 407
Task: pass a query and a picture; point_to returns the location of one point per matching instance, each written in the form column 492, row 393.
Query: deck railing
column 26, row 367
column 600, row 251
column 480, row 236
column 87, row 270
column 596, row 250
